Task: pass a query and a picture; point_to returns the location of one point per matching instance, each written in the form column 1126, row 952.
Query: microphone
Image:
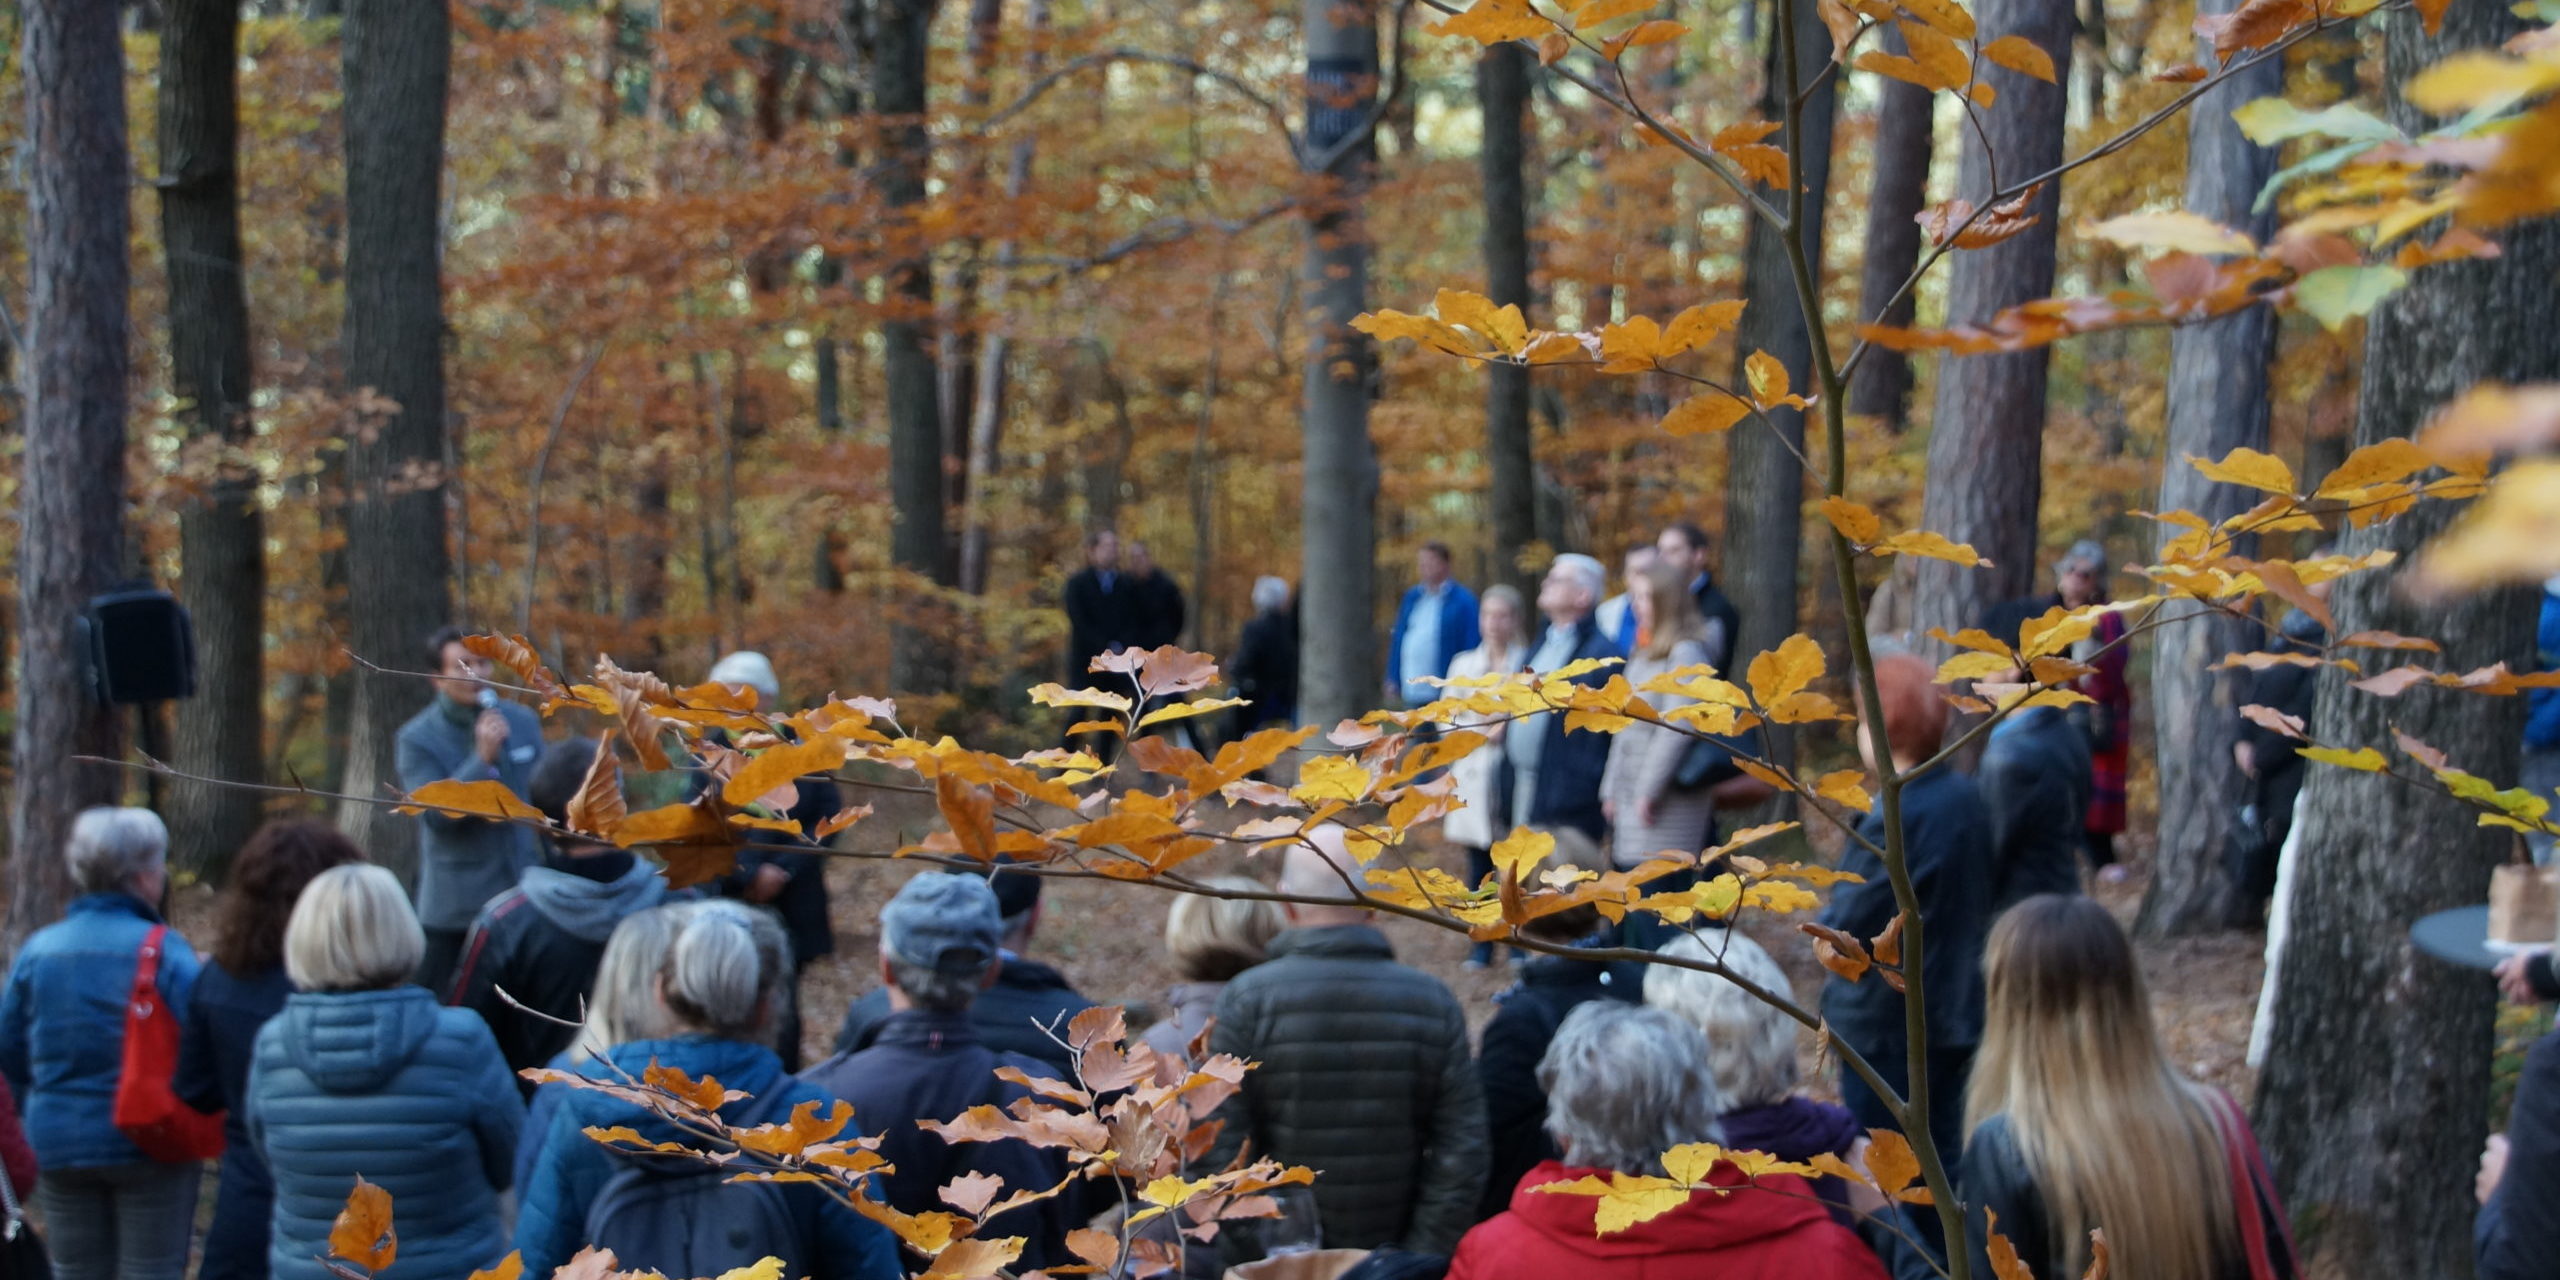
column 488, row 699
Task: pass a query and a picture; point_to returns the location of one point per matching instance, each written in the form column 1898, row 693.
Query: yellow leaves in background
column 2177, row 230
column 1866, row 532
column 2511, row 535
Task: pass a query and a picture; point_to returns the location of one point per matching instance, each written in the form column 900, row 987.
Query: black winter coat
column 540, row 943
column 1027, row 996
column 220, row 1037
column 1100, row 619
column 2518, row 1233
column 924, row 1065
column 1161, row 611
column 2035, row 785
column 1524, row 1024
column 1571, row 762
column 1265, row 669
column 1364, row 1075
column 1947, row 844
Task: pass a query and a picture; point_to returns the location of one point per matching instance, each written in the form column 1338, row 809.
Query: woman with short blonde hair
column 360, row 1050
column 1210, row 940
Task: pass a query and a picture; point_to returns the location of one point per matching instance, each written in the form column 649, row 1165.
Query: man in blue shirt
column 467, row 734
column 1435, row 622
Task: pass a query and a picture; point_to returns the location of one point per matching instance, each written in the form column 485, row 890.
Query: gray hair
column 1587, row 573
column 931, row 988
column 624, row 1006
column 110, row 846
column 352, row 930
column 1751, row 1046
column 1504, row 592
column 1624, row 1083
column 1270, row 593
column 2086, row 553
column 715, row 979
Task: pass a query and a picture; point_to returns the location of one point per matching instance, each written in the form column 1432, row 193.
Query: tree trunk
column 221, row 536
column 917, row 541
column 1986, row 435
column 964, row 323
column 1502, row 95
column 2217, row 402
column 397, row 562
column 1764, row 484
column 71, row 491
column 1899, row 192
column 1338, row 514
column 2375, row 1099
column 986, row 404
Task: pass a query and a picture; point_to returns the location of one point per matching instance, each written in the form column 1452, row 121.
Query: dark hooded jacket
column 1796, row 1129
column 412, row 1097
column 1515, row 1107
column 2035, row 787
column 541, row 942
column 1009, row 1016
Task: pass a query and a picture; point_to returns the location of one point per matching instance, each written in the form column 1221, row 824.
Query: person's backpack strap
column 2266, row 1238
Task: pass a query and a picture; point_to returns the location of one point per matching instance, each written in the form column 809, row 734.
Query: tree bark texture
column 917, row 539
column 1764, row 483
column 1900, row 190
column 1986, row 433
column 1338, row 517
column 2375, row 1097
column 221, row 534
column 987, row 402
column 2217, row 402
column 1502, row 95
column 71, row 485
column 396, row 55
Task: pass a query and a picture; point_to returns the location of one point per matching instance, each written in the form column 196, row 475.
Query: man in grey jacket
column 1365, row 1073
column 467, row 734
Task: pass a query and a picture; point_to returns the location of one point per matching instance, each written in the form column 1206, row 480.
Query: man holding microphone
column 467, row 734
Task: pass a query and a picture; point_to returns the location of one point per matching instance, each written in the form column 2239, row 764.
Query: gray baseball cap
column 944, row 921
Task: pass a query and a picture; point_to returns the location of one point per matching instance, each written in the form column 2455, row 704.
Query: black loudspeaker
column 141, row 646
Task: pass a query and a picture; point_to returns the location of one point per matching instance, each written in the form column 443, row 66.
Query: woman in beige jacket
column 1480, row 775
column 1648, row 813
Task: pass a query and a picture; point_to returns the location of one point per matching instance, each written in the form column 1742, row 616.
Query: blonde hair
column 352, row 930
column 1751, row 1046
column 624, row 1006
column 1214, row 939
column 2112, row 1135
column 1675, row 611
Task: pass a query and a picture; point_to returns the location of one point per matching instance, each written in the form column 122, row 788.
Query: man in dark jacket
column 940, row 942
column 467, row 734
column 2035, row 781
column 1105, row 608
column 2273, row 766
column 2518, row 1232
column 1265, row 666
column 1555, row 771
column 1161, row 610
column 540, row 942
column 1684, row 547
column 1015, row 1013
column 1365, row 1073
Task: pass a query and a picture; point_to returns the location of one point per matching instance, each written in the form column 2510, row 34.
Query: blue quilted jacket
column 62, row 1025
column 410, row 1095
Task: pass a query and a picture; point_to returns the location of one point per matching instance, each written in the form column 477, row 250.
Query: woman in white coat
column 1480, row 775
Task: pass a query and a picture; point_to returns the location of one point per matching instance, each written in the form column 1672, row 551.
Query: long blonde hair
column 2112, row 1135
column 1675, row 611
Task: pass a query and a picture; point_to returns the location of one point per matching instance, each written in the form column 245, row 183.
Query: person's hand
column 2246, row 756
column 2493, row 1166
column 768, row 883
column 489, row 735
column 2512, row 982
column 1644, row 812
column 1609, row 810
column 1864, row 1200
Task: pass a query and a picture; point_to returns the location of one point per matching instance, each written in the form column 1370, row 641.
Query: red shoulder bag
column 147, row 1107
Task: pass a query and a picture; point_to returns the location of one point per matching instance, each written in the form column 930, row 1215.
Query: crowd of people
column 341, row 1026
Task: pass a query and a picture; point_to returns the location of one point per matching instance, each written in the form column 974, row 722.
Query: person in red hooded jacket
column 1624, row 1084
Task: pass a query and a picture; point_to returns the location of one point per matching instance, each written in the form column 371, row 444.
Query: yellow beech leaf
column 1938, row 53
column 510, row 1267
column 1944, row 15
column 2021, row 55
column 2176, row 230
column 770, row 1268
column 1705, row 413
column 1921, row 542
column 1552, row 348
column 1896, row 67
column 1625, row 1198
column 1784, row 671
column 2511, row 535
column 1843, row 787
column 1974, row 665
column 1331, row 778
column 486, row 799
column 1185, row 710
column 2381, row 462
column 1656, row 31
column 1520, row 852
column 1890, row 1162
column 1854, row 521
column 2362, row 759
column 1768, row 379
column 1779, row 897
column 1700, row 325
column 1494, row 21
column 776, row 767
column 2249, row 468
column 363, row 1233
column 1600, row 11
column 1502, row 326
column 1055, row 695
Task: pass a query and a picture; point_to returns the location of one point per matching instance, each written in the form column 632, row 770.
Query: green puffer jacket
column 1366, row 1078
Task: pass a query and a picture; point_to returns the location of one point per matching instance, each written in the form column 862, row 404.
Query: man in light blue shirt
column 1435, row 622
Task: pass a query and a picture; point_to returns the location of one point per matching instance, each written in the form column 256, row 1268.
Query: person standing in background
column 1265, row 666
column 1556, row 771
column 1683, row 546
column 1483, row 782
column 1617, row 614
column 1435, row 622
column 466, row 734
column 1161, row 609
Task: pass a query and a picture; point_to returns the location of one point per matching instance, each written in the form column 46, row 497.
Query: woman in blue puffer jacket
column 109, row 1211
column 715, row 987
column 364, row 1075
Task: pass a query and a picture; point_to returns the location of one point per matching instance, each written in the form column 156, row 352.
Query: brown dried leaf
column 363, row 1233
column 599, row 806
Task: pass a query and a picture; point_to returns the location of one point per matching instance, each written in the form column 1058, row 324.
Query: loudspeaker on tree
column 140, row 646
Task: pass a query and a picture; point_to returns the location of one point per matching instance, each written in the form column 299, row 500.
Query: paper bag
column 2524, row 904
column 1316, row 1264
